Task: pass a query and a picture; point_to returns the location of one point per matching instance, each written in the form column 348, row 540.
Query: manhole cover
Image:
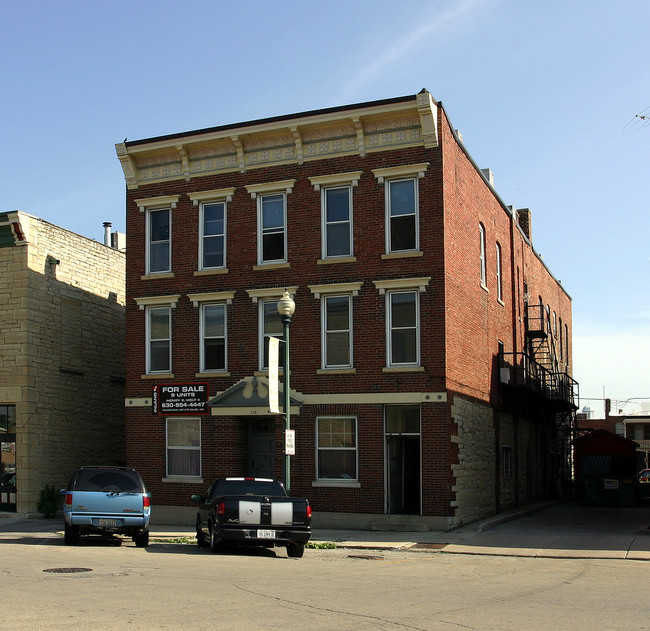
column 67, row 570
column 429, row 546
column 368, row 557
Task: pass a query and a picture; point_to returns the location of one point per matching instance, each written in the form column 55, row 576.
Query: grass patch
column 321, row 545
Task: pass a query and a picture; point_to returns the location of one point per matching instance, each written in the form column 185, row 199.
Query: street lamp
column 286, row 307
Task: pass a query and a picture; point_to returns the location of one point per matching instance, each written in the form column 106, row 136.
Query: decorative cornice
column 293, row 139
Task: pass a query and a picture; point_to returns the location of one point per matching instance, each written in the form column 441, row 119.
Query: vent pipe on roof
column 107, row 233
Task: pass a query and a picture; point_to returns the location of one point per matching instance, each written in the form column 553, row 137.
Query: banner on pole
column 274, row 354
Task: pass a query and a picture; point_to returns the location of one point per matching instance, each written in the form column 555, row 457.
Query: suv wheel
column 141, row 539
column 295, row 550
column 216, row 542
column 200, row 537
column 71, row 535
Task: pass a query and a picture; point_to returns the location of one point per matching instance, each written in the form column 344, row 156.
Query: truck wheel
column 295, row 550
column 200, row 537
column 216, row 543
column 71, row 535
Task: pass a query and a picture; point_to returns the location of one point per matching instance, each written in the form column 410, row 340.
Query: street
column 97, row 585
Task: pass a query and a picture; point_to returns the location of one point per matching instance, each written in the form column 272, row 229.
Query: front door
column 403, row 453
column 261, row 448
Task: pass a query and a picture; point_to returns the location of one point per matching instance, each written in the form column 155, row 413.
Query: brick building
column 430, row 346
column 61, row 357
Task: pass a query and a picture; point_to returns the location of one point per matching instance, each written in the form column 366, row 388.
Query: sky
column 546, row 93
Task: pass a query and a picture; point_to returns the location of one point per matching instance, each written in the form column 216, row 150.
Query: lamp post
column 286, row 307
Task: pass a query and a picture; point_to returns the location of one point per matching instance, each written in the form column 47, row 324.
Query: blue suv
column 106, row 501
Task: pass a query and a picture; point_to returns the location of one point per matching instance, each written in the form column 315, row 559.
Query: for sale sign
column 179, row 398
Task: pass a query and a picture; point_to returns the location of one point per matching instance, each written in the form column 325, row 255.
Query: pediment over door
column 250, row 397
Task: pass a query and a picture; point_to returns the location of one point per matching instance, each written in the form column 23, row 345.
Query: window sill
column 342, row 259
column 211, row 272
column 269, row 266
column 336, row 371
column 341, row 484
column 210, row 375
column 160, row 276
column 402, row 255
column 403, row 369
column 158, row 375
column 182, row 479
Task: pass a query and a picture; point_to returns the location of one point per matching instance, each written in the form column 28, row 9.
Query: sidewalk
column 560, row 531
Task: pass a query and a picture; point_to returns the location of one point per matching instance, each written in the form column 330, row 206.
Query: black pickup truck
column 252, row 511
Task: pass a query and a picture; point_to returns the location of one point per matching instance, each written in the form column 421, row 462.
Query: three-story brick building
column 430, row 345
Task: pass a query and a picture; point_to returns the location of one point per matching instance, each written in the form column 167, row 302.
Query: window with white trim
column 403, row 328
column 158, row 240
column 481, row 230
column 499, row 278
column 213, row 337
column 272, row 233
column 337, row 221
column 183, row 447
column 402, row 215
column 337, row 331
column 213, row 235
column 270, row 325
column 159, row 339
column 336, row 447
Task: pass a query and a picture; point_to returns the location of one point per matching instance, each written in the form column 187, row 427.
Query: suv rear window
column 103, row 480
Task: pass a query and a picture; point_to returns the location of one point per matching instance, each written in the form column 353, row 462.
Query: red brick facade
column 460, row 320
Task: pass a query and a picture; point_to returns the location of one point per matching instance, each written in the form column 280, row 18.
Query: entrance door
column 8, row 472
column 403, row 453
column 261, row 449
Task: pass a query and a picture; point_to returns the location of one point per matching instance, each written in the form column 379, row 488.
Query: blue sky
column 545, row 94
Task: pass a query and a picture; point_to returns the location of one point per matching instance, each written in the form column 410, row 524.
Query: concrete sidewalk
column 544, row 530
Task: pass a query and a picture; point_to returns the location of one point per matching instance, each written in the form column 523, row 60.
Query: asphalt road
column 99, row 585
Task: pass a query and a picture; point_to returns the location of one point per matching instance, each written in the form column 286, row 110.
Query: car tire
column 216, row 543
column 295, row 550
column 141, row 539
column 71, row 535
column 201, row 541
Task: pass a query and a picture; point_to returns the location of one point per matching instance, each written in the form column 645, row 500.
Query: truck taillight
column 221, row 509
column 146, row 501
column 68, row 500
column 308, row 511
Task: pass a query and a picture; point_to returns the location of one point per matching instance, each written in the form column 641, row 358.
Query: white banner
column 274, row 354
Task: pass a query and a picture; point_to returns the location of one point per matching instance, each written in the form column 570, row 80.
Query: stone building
column 61, row 357
column 430, row 345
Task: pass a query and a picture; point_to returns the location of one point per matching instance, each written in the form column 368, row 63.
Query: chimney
column 107, row 233
column 523, row 219
column 489, row 176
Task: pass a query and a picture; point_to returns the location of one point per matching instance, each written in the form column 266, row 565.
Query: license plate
column 108, row 523
column 266, row 534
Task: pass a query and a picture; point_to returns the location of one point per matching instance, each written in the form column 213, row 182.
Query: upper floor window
column 159, row 339
column 499, row 277
column 481, row 230
column 271, row 220
column 270, row 326
column 213, row 337
column 336, row 202
column 213, row 235
column 158, row 232
column 402, row 206
column 337, row 331
column 403, row 328
column 7, row 419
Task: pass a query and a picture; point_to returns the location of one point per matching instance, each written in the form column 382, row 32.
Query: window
column 7, row 419
column 213, row 235
column 403, row 328
column 402, row 215
column 402, row 419
column 270, row 325
column 337, row 331
column 213, row 337
column 159, row 241
column 159, row 339
column 272, row 228
column 337, row 218
column 481, row 230
column 336, row 439
column 184, row 447
column 499, row 278
column 561, row 341
column 506, row 461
